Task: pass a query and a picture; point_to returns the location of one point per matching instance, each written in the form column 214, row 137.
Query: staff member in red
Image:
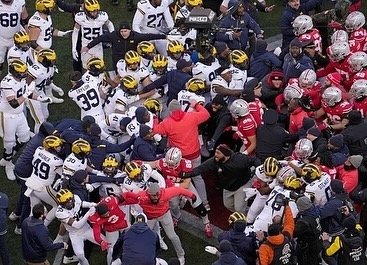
column 182, row 131
column 155, row 204
column 111, row 219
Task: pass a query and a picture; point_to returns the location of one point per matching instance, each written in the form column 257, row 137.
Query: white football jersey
column 139, row 74
column 239, row 77
column 146, row 63
column 182, row 12
column 95, row 81
column 11, row 87
column 10, row 16
column 176, row 35
column 111, row 125
column 134, row 126
column 150, row 175
column 42, row 76
column 219, row 81
column 73, row 164
column 64, row 215
column 319, row 190
column 108, row 189
column 172, row 62
column 149, row 19
column 118, row 100
column 88, row 99
column 206, row 72
column 45, row 166
column 15, row 53
column 91, row 28
column 45, row 25
column 184, row 96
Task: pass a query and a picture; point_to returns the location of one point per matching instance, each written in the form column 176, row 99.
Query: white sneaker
column 9, row 170
column 4, row 162
column 56, row 100
column 181, row 260
column 13, row 216
column 163, row 244
column 68, row 260
column 17, row 231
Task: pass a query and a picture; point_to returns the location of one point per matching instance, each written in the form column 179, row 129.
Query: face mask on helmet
column 159, row 64
column 307, row 79
column 22, row 40
column 110, row 166
column 129, row 85
column 332, row 96
column 173, row 157
column 303, row 149
column 95, row 66
column 239, row 108
column 357, row 61
column 18, row 69
column 92, row 8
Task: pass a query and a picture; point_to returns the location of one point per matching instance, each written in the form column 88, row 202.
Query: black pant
column 4, row 254
column 23, row 203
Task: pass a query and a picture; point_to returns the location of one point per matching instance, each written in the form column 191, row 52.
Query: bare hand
column 193, row 102
column 325, row 236
column 269, row 8
column 260, row 235
column 84, row 50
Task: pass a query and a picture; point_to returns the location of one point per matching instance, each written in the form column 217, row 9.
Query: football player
column 357, row 33
column 171, row 166
column 311, row 87
column 87, row 94
column 206, row 67
column 358, row 62
column 14, row 17
column 15, row 130
column 239, row 67
column 110, row 219
column 90, row 22
column 303, row 28
column 184, row 11
column 223, row 84
column 175, row 52
column 194, row 89
column 359, row 92
column 69, row 213
column 146, row 50
column 42, row 72
column 47, row 169
column 20, row 49
column 159, row 68
column 114, row 127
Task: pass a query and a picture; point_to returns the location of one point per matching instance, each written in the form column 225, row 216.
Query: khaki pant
column 37, row 263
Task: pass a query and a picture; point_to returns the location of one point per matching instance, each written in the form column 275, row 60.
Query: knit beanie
column 276, row 74
column 225, row 246
column 87, row 121
column 270, row 116
column 125, row 25
column 308, row 123
column 125, row 121
column 95, row 130
column 337, row 140
column 144, row 130
column 220, row 46
column 350, row 222
column 139, row 114
column 154, row 189
column 224, row 149
column 296, row 43
column 182, row 63
column 174, row 105
column 355, row 117
column 261, row 46
column 314, row 131
column 79, row 176
column 356, row 160
column 141, row 218
column 334, row 79
column 337, row 186
column 303, row 204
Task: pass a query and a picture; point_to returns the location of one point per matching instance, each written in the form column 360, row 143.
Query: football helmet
column 284, row 172
column 236, row 217
column 52, row 144
column 22, row 40
column 173, row 157
column 339, row 36
column 354, row 21
column 271, row 166
column 196, row 85
column 359, row 89
column 132, row 57
column 159, row 64
column 81, row 147
column 175, row 47
column 66, row 199
column 47, row 57
column 194, row 3
column 239, row 59
column 18, row 69
column 95, row 66
column 302, row 24
column 129, row 84
column 110, row 166
column 239, row 108
column 292, row 183
column 292, row 91
column 45, row 6
column 307, row 79
column 146, row 50
column 310, row 173
column 90, row 7
column 303, row 149
column 358, row 61
column 332, row 96
column 134, row 171
column 338, row 51
column 153, row 105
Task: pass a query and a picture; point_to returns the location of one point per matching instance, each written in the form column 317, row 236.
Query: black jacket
column 120, row 45
column 218, row 121
column 355, row 137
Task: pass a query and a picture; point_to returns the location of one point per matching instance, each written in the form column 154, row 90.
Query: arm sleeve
column 46, row 241
column 331, row 249
column 138, row 18
column 102, row 38
column 176, row 191
column 157, row 83
column 168, row 18
column 223, row 123
column 95, row 178
column 117, row 148
column 141, row 37
column 253, row 25
column 97, row 233
column 202, row 114
column 79, row 224
column 74, row 38
column 208, row 165
column 110, row 26
column 288, row 221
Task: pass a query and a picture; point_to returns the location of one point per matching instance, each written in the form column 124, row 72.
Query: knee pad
column 201, row 210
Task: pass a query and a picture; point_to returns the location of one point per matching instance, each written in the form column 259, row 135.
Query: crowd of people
column 283, row 131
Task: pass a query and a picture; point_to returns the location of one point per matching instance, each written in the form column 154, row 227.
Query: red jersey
column 336, row 113
column 151, row 210
column 246, row 128
column 354, row 46
column 173, row 174
column 115, row 220
column 330, row 171
column 360, row 38
column 361, row 106
column 256, row 110
column 360, row 75
column 314, row 93
column 314, row 35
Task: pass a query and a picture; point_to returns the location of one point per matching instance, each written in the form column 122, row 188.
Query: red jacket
column 348, row 177
column 296, row 120
column 115, row 221
column 151, row 210
column 182, row 130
